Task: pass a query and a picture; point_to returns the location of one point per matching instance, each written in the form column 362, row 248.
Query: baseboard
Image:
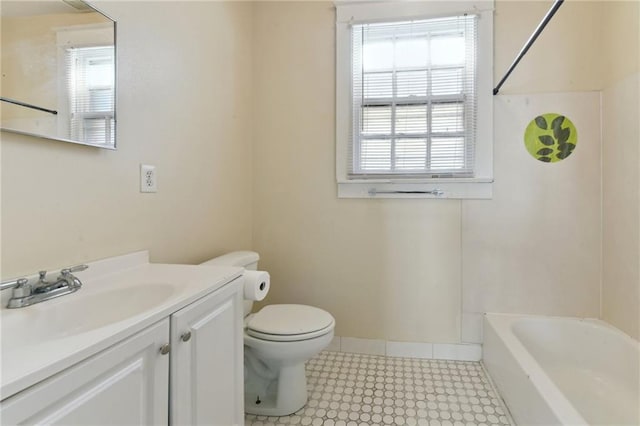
column 447, row 351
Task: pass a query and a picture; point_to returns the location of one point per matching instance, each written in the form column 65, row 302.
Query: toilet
column 278, row 340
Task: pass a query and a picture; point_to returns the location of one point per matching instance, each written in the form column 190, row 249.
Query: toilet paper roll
column 256, row 285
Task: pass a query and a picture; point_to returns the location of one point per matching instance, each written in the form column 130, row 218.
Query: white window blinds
column 90, row 82
column 413, row 98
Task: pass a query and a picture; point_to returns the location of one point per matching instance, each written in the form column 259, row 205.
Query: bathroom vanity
column 140, row 343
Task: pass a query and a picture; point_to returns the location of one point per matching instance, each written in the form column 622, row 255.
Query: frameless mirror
column 58, row 71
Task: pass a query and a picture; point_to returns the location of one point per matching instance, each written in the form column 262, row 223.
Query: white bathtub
column 567, row 371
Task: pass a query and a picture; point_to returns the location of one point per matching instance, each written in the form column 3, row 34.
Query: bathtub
column 563, row 371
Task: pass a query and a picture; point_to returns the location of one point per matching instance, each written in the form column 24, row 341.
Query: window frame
column 404, row 186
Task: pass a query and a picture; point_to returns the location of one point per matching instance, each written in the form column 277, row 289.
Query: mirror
column 58, row 71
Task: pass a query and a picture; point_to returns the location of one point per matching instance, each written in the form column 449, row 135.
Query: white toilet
column 278, row 340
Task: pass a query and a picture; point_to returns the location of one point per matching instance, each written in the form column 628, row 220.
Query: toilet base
column 285, row 395
column 275, row 373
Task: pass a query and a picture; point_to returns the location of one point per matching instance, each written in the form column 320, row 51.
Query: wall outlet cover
column 148, row 182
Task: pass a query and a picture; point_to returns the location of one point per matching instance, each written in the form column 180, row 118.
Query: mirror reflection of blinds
column 414, row 98
column 90, row 84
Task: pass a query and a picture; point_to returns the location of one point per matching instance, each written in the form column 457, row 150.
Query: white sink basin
column 81, row 312
column 120, row 296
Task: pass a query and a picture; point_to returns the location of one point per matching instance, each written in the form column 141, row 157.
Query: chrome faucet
column 26, row 294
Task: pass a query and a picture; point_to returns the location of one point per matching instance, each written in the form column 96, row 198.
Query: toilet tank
column 246, row 259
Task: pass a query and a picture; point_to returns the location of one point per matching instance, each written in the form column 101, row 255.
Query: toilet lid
column 289, row 320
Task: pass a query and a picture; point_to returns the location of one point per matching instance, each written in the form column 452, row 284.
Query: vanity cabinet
column 125, row 384
column 207, row 365
column 186, row 369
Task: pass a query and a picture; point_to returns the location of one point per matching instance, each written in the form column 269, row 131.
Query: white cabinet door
column 126, row 384
column 207, row 368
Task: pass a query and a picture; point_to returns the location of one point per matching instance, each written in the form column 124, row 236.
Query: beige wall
column 199, row 81
column 565, row 56
column 384, row 269
column 621, row 40
column 184, row 104
column 392, row 269
column 621, row 164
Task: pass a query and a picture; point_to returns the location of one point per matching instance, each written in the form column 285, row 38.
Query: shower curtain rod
column 554, row 8
column 26, row 105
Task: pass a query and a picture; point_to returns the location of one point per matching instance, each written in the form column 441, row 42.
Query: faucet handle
column 77, row 268
column 16, row 283
column 43, row 275
column 23, row 289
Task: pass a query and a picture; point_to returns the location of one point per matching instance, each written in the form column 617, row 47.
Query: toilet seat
column 286, row 323
column 289, row 337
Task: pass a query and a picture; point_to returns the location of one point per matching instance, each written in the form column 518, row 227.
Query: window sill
column 480, row 189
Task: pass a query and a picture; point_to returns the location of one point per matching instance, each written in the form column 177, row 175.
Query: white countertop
column 119, row 297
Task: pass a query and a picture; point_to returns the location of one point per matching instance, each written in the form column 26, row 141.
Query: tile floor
column 348, row 389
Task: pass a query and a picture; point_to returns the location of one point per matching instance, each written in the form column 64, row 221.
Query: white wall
column 183, row 105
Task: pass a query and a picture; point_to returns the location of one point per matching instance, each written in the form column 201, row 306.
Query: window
column 90, row 72
column 413, row 91
column 86, row 83
column 409, row 100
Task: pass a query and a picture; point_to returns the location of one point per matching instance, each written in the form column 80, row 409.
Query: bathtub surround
column 621, row 205
column 620, row 168
column 535, row 247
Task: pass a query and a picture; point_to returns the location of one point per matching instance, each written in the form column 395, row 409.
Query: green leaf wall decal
column 545, row 151
column 550, row 137
column 556, row 125
column 565, row 149
column 547, row 140
column 563, row 135
column 541, row 122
